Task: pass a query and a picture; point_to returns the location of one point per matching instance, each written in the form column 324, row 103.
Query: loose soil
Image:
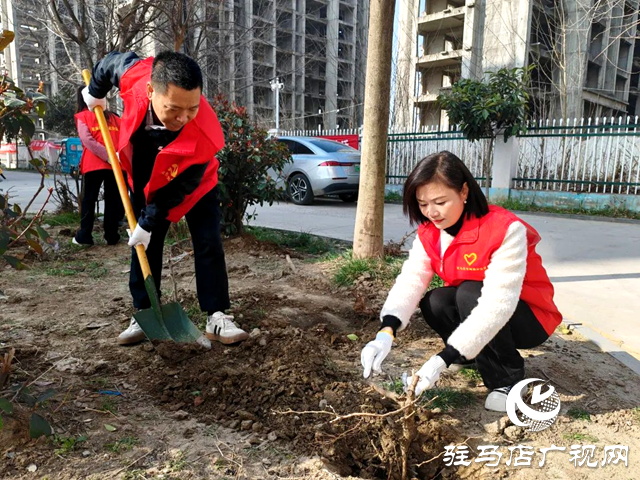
column 268, row 408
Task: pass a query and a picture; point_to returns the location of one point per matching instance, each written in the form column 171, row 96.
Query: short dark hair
column 447, row 168
column 177, row 69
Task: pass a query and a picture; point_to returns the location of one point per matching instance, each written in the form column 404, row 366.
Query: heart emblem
column 470, row 258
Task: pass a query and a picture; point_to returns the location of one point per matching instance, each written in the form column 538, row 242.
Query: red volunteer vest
column 90, row 162
column 198, row 141
column 470, row 253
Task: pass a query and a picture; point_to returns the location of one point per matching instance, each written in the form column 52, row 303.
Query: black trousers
column 211, row 271
column 113, row 209
column 499, row 363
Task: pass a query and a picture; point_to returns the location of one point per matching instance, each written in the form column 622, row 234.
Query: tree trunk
column 367, row 237
column 488, row 166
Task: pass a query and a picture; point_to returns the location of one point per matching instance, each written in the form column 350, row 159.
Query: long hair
column 447, row 168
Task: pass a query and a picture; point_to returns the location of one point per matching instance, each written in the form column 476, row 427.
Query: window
column 331, row 146
column 297, row 148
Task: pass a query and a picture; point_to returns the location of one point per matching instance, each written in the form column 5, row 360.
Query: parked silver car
column 320, row 167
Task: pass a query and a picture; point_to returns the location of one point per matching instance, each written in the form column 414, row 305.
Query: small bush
column 247, row 163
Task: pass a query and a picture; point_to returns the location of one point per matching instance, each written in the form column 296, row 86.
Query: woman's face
column 441, row 204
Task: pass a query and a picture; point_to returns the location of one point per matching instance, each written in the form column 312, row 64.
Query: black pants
column 211, row 271
column 499, row 363
column 113, row 209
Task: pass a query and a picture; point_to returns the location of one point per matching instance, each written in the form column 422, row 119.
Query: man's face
column 176, row 107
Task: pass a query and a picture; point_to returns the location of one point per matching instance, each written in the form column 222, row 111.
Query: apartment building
column 316, row 48
column 25, row 60
column 586, row 53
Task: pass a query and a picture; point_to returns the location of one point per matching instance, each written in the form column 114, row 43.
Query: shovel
column 160, row 322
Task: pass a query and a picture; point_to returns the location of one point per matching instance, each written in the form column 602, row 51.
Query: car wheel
column 299, row 189
column 348, row 197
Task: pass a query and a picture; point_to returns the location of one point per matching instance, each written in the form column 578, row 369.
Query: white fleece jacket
column 498, row 298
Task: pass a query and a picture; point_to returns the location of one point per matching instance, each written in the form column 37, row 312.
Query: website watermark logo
column 543, row 408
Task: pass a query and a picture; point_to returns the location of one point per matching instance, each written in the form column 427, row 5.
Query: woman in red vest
column 497, row 296
column 96, row 171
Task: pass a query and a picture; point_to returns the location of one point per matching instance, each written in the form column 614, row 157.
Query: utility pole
column 276, row 85
column 367, row 236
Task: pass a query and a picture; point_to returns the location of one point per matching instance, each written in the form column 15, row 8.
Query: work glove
column 139, row 237
column 429, row 375
column 375, row 352
column 91, row 101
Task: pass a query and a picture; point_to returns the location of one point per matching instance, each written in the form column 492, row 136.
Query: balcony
column 442, row 59
column 448, row 19
column 430, row 96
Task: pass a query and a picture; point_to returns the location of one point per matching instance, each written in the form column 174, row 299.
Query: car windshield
column 331, row 146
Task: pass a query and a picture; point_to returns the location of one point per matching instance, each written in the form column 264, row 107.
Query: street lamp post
column 276, row 85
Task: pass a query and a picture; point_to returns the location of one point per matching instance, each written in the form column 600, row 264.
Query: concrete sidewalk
column 594, row 265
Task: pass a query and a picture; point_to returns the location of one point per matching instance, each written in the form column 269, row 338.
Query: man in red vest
column 169, row 136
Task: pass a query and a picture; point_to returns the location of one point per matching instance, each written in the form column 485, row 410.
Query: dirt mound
column 288, row 382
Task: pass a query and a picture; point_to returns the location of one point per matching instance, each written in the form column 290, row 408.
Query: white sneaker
column 131, row 335
column 497, row 399
column 220, row 327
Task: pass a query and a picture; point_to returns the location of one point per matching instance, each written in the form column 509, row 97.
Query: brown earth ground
column 264, row 409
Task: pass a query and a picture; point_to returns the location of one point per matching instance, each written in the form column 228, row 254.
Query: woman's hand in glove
column 375, row 352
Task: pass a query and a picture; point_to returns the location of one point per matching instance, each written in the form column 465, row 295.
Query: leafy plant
column 60, row 111
column 38, row 424
column 248, row 162
column 488, row 108
column 67, row 444
column 122, row 445
column 17, row 109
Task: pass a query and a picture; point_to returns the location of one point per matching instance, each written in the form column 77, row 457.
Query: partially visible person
column 96, row 171
column 497, row 296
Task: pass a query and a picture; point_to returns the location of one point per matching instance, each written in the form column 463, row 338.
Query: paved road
column 22, row 186
column 594, row 265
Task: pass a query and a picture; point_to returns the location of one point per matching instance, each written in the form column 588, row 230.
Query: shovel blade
column 173, row 325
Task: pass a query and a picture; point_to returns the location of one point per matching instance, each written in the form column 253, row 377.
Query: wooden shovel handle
column 117, row 171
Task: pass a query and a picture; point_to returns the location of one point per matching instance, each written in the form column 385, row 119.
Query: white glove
column 139, row 237
column 93, row 102
column 429, row 374
column 375, row 352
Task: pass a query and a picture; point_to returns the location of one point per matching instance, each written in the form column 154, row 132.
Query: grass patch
column 299, row 241
column 396, row 386
column 530, row 206
column 66, row 444
column 135, row 474
column 93, row 269
column 109, row 405
column 636, row 413
column 123, row 445
column 178, row 463
column 471, row 374
column 197, row 316
column 579, row 414
column 448, row 398
column 350, row 269
column 579, row 437
column 65, row 219
column 393, row 197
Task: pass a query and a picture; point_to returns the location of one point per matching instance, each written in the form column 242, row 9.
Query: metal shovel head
column 175, row 324
column 165, row 322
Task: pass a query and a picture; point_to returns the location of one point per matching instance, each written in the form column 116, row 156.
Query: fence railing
column 600, row 155
column 588, row 155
